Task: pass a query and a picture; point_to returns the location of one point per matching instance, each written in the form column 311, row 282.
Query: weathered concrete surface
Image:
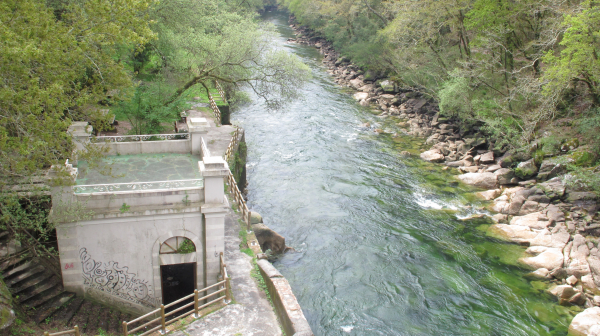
column 217, row 138
column 251, row 314
column 287, row 306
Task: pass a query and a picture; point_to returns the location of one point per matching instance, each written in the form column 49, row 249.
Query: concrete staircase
column 39, row 294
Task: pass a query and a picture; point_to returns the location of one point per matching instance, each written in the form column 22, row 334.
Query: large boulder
column 513, row 233
column 487, row 158
column 547, row 239
column 357, row 83
column 268, row 239
column 361, row 95
column 551, row 258
column 586, row 323
column 433, row 155
column 255, row 217
column 553, row 188
column 526, row 169
column 388, row 86
column 530, row 220
column 549, row 169
column 482, row 180
column 504, row 176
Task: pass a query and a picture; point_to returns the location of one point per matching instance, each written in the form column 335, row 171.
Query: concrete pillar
column 81, row 132
column 197, row 128
column 63, row 208
column 214, row 170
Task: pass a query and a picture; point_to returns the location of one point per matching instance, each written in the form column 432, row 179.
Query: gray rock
column 553, row 188
column 432, row 155
column 482, row 180
column 255, row 217
column 504, row 175
column 526, row 169
column 550, row 169
column 268, row 239
column 487, row 158
column 388, row 86
column 574, row 196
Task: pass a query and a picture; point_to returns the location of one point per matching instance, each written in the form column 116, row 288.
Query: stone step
column 4, row 236
column 40, row 288
column 44, row 297
column 34, row 280
column 16, row 260
column 64, row 316
column 24, row 275
column 91, row 328
column 10, row 248
column 18, row 269
column 81, row 316
column 52, row 306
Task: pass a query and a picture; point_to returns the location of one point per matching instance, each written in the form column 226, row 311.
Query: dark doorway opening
column 178, row 280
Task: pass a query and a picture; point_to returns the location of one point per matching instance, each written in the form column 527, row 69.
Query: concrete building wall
column 116, row 260
column 147, row 147
column 134, row 198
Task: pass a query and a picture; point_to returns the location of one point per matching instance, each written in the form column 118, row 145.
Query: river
column 380, row 245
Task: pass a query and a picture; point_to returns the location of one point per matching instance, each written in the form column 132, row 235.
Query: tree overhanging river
column 380, row 245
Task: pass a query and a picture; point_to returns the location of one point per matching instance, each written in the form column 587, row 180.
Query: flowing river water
column 382, row 247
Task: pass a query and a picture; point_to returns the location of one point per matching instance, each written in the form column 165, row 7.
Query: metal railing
column 75, row 331
column 225, row 286
column 232, row 144
column 215, row 109
column 139, row 138
column 131, row 186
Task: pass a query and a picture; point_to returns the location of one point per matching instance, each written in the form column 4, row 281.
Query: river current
column 382, row 247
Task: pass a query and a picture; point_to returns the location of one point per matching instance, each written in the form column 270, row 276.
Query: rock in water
column 432, row 155
column 255, row 217
column 268, row 239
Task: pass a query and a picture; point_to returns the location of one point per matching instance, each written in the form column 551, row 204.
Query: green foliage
column 124, row 208
column 53, row 63
column 578, row 59
column 146, row 111
column 186, row 247
column 455, row 97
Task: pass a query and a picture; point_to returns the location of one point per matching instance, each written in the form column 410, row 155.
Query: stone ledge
column 286, row 305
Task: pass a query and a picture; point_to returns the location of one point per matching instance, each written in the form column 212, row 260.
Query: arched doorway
column 178, row 277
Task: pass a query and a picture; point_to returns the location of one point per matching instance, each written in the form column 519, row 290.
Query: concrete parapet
column 286, row 305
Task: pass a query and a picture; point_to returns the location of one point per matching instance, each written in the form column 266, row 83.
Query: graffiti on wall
column 116, row 281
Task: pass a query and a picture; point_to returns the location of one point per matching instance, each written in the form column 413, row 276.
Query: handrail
column 221, row 92
column 75, row 331
column 232, row 144
column 239, row 199
column 237, row 195
column 129, row 186
column 143, row 137
column 215, row 109
column 205, row 150
column 162, row 319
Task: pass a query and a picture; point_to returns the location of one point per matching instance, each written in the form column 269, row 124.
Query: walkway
column 252, row 313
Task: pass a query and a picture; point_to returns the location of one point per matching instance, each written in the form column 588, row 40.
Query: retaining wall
column 286, row 305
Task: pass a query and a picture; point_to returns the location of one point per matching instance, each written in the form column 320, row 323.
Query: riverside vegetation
column 542, row 174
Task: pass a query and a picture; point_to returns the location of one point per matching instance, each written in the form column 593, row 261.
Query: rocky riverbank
column 531, row 201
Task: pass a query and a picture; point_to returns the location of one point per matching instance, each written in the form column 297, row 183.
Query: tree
column 53, row 63
column 203, row 41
